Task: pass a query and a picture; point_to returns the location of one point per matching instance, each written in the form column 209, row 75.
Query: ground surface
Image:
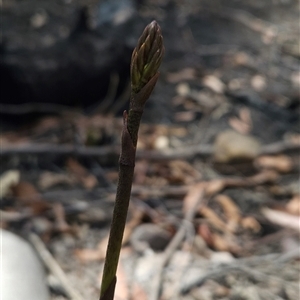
column 219, row 139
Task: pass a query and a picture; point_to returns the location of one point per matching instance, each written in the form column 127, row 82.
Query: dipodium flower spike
column 145, row 61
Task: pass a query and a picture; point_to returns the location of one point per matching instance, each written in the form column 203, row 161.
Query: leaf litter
column 231, row 245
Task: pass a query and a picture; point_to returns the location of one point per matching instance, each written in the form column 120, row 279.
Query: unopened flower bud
column 146, row 57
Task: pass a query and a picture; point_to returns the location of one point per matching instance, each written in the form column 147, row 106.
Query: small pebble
column 232, row 146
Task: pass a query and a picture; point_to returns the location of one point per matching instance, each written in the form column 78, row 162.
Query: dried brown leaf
column 46, row 124
column 98, row 254
column 242, row 124
column 89, row 181
column 266, row 176
column 27, row 195
column 294, row 138
column 185, row 116
column 205, row 232
column 216, row 241
column 214, row 83
column 182, row 172
column 242, row 59
column 25, row 191
column 184, row 74
column 50, row 179
column 219, row 243
column 61, row 224
column 87, row 255
column 293, row 206
column 239, row 125
column 213, row 218
column 281, row 218
column 214, row 186
column 251, row 223
column 140, row 171
column 190, row 201
column 231, row 211
column 280, row 163
column 7, row 180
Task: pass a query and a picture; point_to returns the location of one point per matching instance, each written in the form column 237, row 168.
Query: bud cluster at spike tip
column 146, row 57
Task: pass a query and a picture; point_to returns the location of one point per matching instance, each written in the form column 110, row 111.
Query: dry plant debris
column 217, row 170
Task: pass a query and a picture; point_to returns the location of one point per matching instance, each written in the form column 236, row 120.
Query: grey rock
column 22, row 275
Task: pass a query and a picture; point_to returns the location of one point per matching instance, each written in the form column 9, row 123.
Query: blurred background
column 222, row 124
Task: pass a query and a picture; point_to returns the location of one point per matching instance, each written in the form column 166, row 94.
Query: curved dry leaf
column 220, row 243
column 216, row 241
column 214, row 83
column 86, row 255
column 7, row 180
column 213, row 218
column 88, row 180
column 265, row 176
column 25, row 191
column 231, row 211
column 28, row 195
column 239, row 125
column 61, row 224
column 251, row 224
column 98, row 254
column 281, row 218
column 190, row 201
column 182, row 171
column 184, row 74
column 185, row 116
column 280, row 163
column 49, row 179
column 293, row 206
column 243, row 124
column 206, row 234
column 214, row 186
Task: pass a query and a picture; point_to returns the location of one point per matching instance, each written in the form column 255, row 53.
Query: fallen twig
column 47, row 149
column 26, row 108
column 14, row 216
column 246, row 265
column 195, row 196
column 113, row 150
column 54, row 267
column 212, row 187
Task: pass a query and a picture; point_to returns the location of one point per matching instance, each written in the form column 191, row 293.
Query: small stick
column 53, row 266
column 156, row 155
column 195, row 196
column 247, row 265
